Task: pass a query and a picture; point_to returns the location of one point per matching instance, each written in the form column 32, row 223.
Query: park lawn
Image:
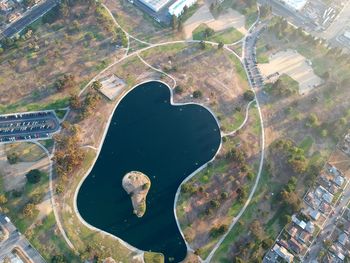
column 153, row 257
column 307, row 143
column 15, row 205
column 227, row 36
column 229, row 125
column 248, row 216
column 27, row 151
column 60, row 113
column 45, row 239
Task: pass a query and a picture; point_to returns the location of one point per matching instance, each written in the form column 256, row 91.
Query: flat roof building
column 155, row 5
column 295, row 4
column 177, row 8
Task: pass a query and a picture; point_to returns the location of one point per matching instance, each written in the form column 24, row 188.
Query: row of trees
column 104, row 18
column 68, row 155
column 85, row 107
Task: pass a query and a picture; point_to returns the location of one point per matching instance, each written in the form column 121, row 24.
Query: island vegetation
column 137, row 185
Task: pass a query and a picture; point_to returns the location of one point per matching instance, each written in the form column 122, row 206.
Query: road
column 16, row 239
column 295, row 18
column 29, row 17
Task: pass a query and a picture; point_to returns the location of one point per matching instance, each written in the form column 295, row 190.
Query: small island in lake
column 137, row 184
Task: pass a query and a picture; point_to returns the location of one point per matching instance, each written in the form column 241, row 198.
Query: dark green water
column 163, row 141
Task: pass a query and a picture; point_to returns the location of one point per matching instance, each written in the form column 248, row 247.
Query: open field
column 74, row 44
column 227, row 36
column 14, row 174
column 217, row 74
column 295, row 65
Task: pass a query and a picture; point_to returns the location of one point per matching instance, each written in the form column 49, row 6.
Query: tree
column 34, row 176
column 178, row 89
column 13, row 158
column 28, row 210
column 59, row 259
column 97, row 85
column 179, row 26
column 59, row 189
column 267, row 243
column 291, row 200
column 75, row 102
column 224, row 195
column 214, row 203
column 242, row 194
column 197, row 94
column 220, row 45
column 202, row 44
column 312, row 120
column 249, row 95
column 218, row 231
column 3, row 199
column 174, row 22
column 257, row 230
column 29, row 3
column 65, row 82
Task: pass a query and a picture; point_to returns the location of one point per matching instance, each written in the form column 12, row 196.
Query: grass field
column 226, row 36
column 26, row 151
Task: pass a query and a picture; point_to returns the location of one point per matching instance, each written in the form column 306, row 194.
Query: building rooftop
column 283, row 253
column 155, row 5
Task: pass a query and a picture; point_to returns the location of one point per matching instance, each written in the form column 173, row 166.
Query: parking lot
column 28, row 126
column 250, row 60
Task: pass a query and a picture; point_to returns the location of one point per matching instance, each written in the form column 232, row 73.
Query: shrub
column 197, row 94
column 13, row 158
column 34, row 176
column 249, row 95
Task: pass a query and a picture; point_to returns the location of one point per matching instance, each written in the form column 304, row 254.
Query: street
column 16, row 240
column 29, row 17
column 330, row 224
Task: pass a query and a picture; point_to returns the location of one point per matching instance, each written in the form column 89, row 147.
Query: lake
column 164, row 141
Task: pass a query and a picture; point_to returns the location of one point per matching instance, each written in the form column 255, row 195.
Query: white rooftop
column 295, row 4
column 155, row 5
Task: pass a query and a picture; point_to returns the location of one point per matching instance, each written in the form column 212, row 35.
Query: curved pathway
column 158, row 70
column 262, row 156
column 51, row 192
column 243, row 123
column 127, row 55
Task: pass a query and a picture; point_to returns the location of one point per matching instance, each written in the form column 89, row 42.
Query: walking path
column 262, row 156
column 243, row 123
column 137, row 53
column 51, row 192
column 158, row 70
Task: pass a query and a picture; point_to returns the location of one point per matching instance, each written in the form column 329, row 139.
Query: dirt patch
column 230, row 18
column 28, row 75
column 215, row 73
column 14, row 175
column 290, row 62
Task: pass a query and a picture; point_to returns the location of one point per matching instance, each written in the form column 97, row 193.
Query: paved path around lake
column 126, row 56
